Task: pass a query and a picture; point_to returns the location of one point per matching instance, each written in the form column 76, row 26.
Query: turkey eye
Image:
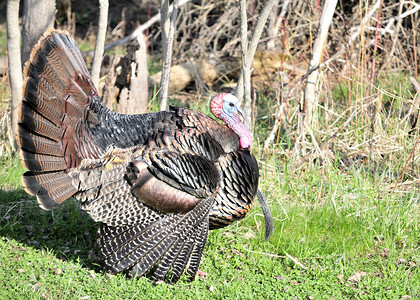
column 231, row 104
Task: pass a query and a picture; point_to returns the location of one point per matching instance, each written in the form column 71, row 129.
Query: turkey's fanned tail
column 164, row 245
column 57, row 93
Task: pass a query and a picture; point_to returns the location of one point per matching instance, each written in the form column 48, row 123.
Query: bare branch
column 14, row 61
column 406, row 14
column 277, row 25
column 138, row 85
column 141, row 28
column 258, row 29
column 416, row 85
column 356, row 33
column 100, row 41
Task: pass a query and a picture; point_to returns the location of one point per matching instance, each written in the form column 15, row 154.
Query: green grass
column 341, row 230
column 348, row 228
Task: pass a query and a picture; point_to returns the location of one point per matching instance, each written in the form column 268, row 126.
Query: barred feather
column 158, row 182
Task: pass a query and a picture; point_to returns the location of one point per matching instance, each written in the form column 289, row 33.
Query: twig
column 375, row 49
column 100, row 41
column 282, row 256
column 280, row 18
column 282, row 95
column 355, row 34
column 360, row 211
column 405, row 166
column 274, row 31
column 315, row 142
column 310, row 98
column 141, row 28
column 245, row 75
column 273, row 131
column 296, row 261
column 406, row 14
column 414, row 43
column 416, row 85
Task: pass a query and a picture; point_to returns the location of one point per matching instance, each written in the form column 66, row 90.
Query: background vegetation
column 346, row 206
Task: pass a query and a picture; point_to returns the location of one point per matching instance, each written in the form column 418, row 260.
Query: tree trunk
column 127, row 80
column 15, row 65
column 135, row 101
column 139, row 84
column 38, row 15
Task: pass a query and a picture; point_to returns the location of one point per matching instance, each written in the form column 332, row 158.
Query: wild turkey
column 157, row 182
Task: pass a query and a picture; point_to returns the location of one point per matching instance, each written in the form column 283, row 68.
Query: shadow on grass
column 66, row 231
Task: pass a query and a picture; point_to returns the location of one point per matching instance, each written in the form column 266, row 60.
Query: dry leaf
column 32, row 277
column 357, row 276
column 385, row 253
column 58, row 271
column 92, row 274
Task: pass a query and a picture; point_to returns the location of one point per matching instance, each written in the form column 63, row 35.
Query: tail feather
column 138, row 244
column 57, row 93
column 149, row 260
column 45, row 197
column 43, row 99
column 38, row 143
column 48, row 186
column 34, row 122
column 56, row 57
column 39, row 162
column 35, row 182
